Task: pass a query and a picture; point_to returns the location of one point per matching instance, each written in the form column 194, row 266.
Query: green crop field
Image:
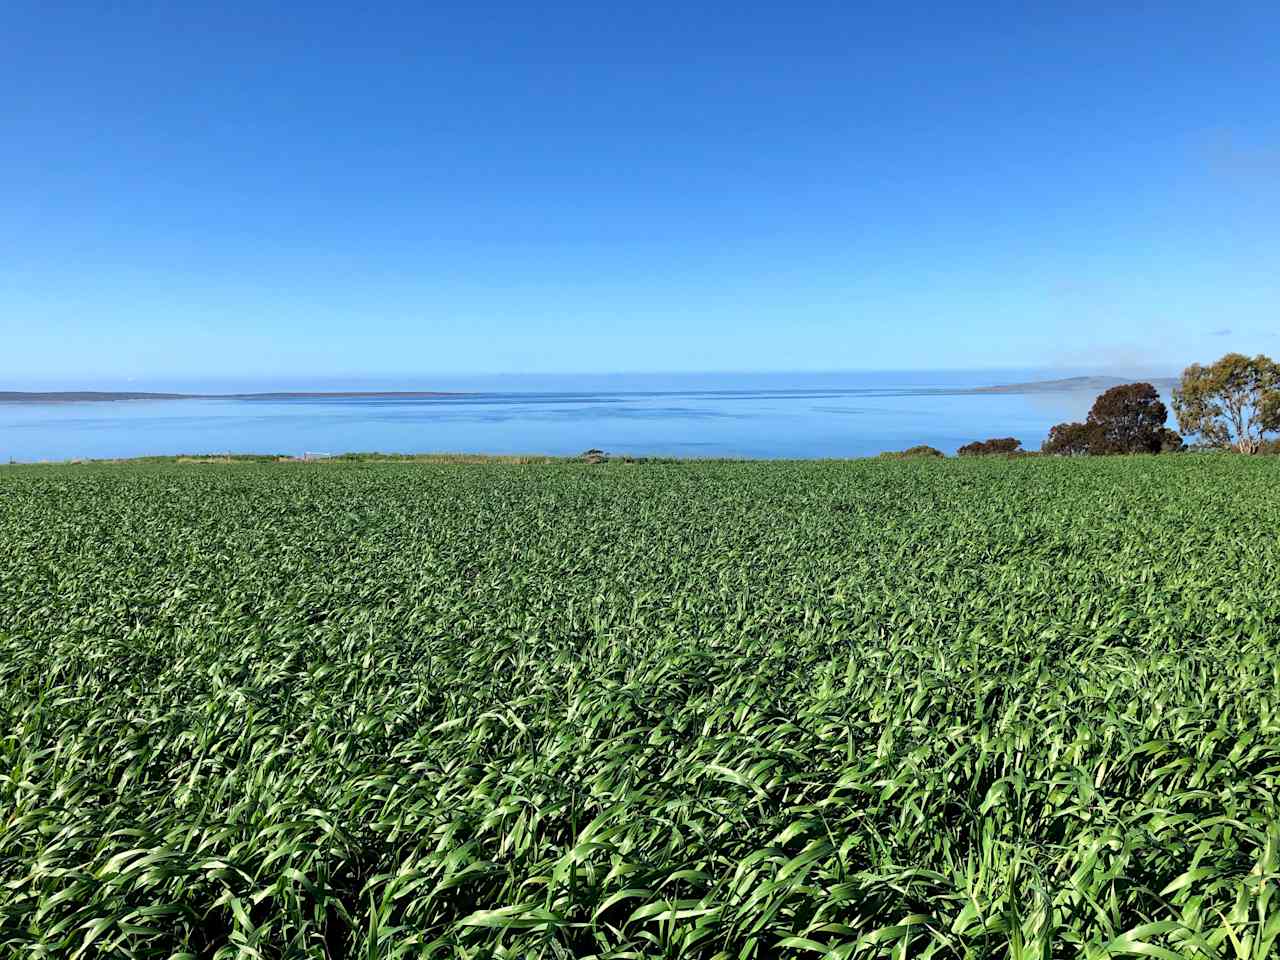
column 993, row 708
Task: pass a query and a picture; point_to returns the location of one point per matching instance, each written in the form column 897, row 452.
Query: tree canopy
column 1231, row 403
column 1072, row 439
column 1128, row 418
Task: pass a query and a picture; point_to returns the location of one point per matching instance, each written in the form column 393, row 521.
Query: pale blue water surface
column 690, row 415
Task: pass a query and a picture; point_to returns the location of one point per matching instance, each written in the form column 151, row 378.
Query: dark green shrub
column 921, row 450
column 992, row 447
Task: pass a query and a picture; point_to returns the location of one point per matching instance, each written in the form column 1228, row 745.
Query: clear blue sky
column 261, row 189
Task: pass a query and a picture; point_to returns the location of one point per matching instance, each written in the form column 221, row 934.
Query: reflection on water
column 755, row 416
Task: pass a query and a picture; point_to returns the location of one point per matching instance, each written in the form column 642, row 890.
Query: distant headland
column 1074, row 384
column 96, row 396
column 1094, row 384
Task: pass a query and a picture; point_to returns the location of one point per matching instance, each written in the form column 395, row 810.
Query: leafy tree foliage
column 1128, row 418
column 1231, row 403
column 1072, row 439
column 1171, row 441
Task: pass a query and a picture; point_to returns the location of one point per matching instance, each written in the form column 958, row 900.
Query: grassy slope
column 989, row 708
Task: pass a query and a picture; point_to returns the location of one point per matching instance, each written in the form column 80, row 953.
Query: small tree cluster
column 1128, row 418
column 986, row 448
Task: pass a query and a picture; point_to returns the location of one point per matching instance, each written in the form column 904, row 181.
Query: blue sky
column 271, row 189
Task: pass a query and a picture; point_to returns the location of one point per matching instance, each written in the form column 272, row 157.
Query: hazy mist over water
column 694, row 415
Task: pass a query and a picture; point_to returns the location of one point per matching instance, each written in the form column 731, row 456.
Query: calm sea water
column 708, row 415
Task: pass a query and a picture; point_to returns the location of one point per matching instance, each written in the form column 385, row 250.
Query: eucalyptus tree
column 1232, row 403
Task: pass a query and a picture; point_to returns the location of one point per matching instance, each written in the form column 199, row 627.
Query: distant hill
column 1064, row 385
column 82, row 396
column 1076, row 385
column 344, row 395
column 74, row 396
